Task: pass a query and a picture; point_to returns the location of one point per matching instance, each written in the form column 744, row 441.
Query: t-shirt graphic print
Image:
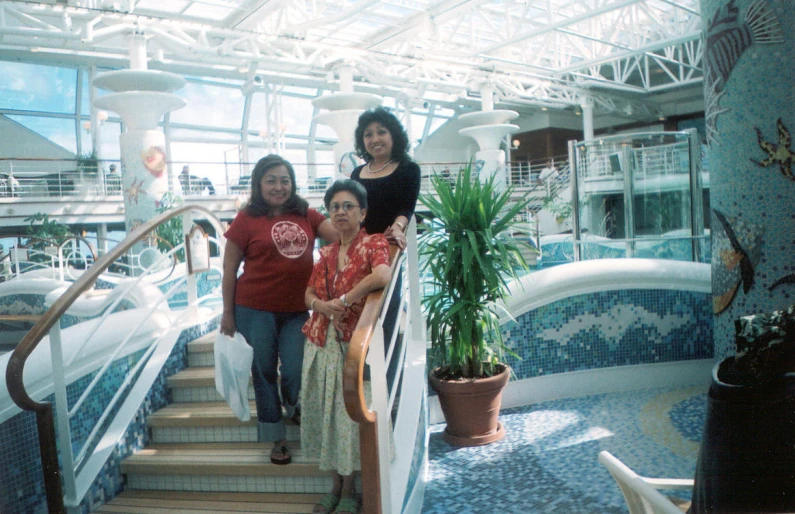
column 290, row 239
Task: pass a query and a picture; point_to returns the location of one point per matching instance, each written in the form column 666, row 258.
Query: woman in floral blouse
column 346, row 273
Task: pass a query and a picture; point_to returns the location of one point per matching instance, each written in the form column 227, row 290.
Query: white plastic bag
column 233, row 358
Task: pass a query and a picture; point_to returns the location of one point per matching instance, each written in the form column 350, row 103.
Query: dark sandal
column 328, row 502
column 281, row 455
column 347, row 506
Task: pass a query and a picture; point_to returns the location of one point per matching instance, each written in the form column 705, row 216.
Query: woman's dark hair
column 351, row 186
column 256, row 206
column 400, row 140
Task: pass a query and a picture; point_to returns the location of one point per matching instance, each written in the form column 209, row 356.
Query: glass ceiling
column 618, row 55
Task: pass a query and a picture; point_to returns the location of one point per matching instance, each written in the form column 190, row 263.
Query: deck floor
column 547, row 462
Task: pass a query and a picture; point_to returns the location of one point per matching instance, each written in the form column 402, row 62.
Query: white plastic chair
column 641, row 493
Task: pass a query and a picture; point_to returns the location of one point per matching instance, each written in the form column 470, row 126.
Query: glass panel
column 661, row 200
column 85, row 107
column 109, row 151
column 649, row 217
column 60, row 131
column 190, row 135
column 209, row 105
column 33, row 87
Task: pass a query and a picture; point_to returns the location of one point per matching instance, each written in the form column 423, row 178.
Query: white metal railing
column 153, row 333
column 397, row 370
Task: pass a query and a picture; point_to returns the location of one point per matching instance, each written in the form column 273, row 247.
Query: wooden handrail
column 353, row 393
column 16, row 363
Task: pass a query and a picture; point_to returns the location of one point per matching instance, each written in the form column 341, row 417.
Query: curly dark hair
column 351, row 186
column 256, row 205
column 400, row 140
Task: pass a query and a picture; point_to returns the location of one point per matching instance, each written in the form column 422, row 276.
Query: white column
column 587, row 120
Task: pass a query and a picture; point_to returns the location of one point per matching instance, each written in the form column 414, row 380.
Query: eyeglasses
column 345, row 206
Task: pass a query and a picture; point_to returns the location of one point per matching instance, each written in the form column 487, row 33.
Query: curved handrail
column 16, row 363
column 45, row 419
column 353, row 371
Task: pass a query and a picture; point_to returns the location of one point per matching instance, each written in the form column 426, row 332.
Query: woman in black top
column 391, row 178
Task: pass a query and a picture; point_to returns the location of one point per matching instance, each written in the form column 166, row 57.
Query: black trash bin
column 746, row 462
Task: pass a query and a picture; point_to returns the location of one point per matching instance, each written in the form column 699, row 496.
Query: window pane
column 209, row 105
column 60, row 131
column 33, row 87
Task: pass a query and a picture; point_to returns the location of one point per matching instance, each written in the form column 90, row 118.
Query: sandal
column 328, row 502
column 281, row 455
column 347, row 506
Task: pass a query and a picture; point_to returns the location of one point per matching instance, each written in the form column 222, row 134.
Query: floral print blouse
column 365, row 254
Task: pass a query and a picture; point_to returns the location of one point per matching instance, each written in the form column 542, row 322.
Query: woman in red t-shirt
column 275, row 234
column 341, row 280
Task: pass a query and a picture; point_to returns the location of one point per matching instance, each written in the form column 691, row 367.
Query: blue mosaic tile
column 21, row 486
column 613, row 328
column 547, row 461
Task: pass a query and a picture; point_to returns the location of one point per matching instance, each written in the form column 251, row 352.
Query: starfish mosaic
column 780, row 153
column 135, row 190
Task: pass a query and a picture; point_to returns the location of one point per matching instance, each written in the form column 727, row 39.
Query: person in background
column 113, row 181
column 348, row 270
column 275, row 234
column 548, row 173
column 194, row 185
column 390, row 177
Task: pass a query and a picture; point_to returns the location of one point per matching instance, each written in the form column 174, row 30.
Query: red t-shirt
column 278, row 259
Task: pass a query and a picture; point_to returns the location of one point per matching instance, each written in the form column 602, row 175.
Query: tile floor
column 547, row 462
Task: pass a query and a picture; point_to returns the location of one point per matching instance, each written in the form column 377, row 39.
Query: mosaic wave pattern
column 613, row 328
column 547, row 463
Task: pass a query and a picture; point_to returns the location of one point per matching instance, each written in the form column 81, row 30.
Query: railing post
column 193, row 296
column 62, row 415
column 413, row 271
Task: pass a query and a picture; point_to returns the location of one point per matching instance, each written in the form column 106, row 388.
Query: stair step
column 197, row 385
column 229, row 459
column 175, row 502
column 201, row 351
column 244, row 467
column 202, row 414
column 207, row 422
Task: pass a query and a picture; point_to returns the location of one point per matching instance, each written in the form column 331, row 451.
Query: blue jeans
column 275, row 337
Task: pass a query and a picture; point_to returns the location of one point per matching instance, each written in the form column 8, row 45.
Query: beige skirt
column 328, row 434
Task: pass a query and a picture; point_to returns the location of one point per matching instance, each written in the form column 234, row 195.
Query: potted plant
column 470, row 257
column 746, row 461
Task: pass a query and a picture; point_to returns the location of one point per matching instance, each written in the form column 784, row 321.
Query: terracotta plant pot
column 472, row 408
column 746, row 462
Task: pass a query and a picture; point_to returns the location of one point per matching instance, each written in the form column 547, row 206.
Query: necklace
column 379, row 169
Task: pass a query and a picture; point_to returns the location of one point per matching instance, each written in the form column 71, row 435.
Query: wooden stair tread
column 174, row 502
column 236, row 459
column 200, row 414
column 213, row 448
column 203, row 376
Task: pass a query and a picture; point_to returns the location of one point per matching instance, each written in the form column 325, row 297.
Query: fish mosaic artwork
column 780, row 153
column 727, row 38
column 736, row 251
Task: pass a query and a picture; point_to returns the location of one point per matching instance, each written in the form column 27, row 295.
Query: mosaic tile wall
column 21, row 487
column 613, row 328
column 750, row 122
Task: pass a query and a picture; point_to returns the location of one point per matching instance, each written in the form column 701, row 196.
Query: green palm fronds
column 470, row 257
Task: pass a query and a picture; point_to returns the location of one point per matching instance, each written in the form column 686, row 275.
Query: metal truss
column 612, row 54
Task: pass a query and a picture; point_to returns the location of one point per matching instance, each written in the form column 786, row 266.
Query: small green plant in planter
column 470, row 258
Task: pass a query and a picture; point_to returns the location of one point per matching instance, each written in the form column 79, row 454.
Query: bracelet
column 312, row 304
column 344, row 301
column 401, row 225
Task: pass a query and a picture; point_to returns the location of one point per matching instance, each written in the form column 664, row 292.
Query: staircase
column 201, row 458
